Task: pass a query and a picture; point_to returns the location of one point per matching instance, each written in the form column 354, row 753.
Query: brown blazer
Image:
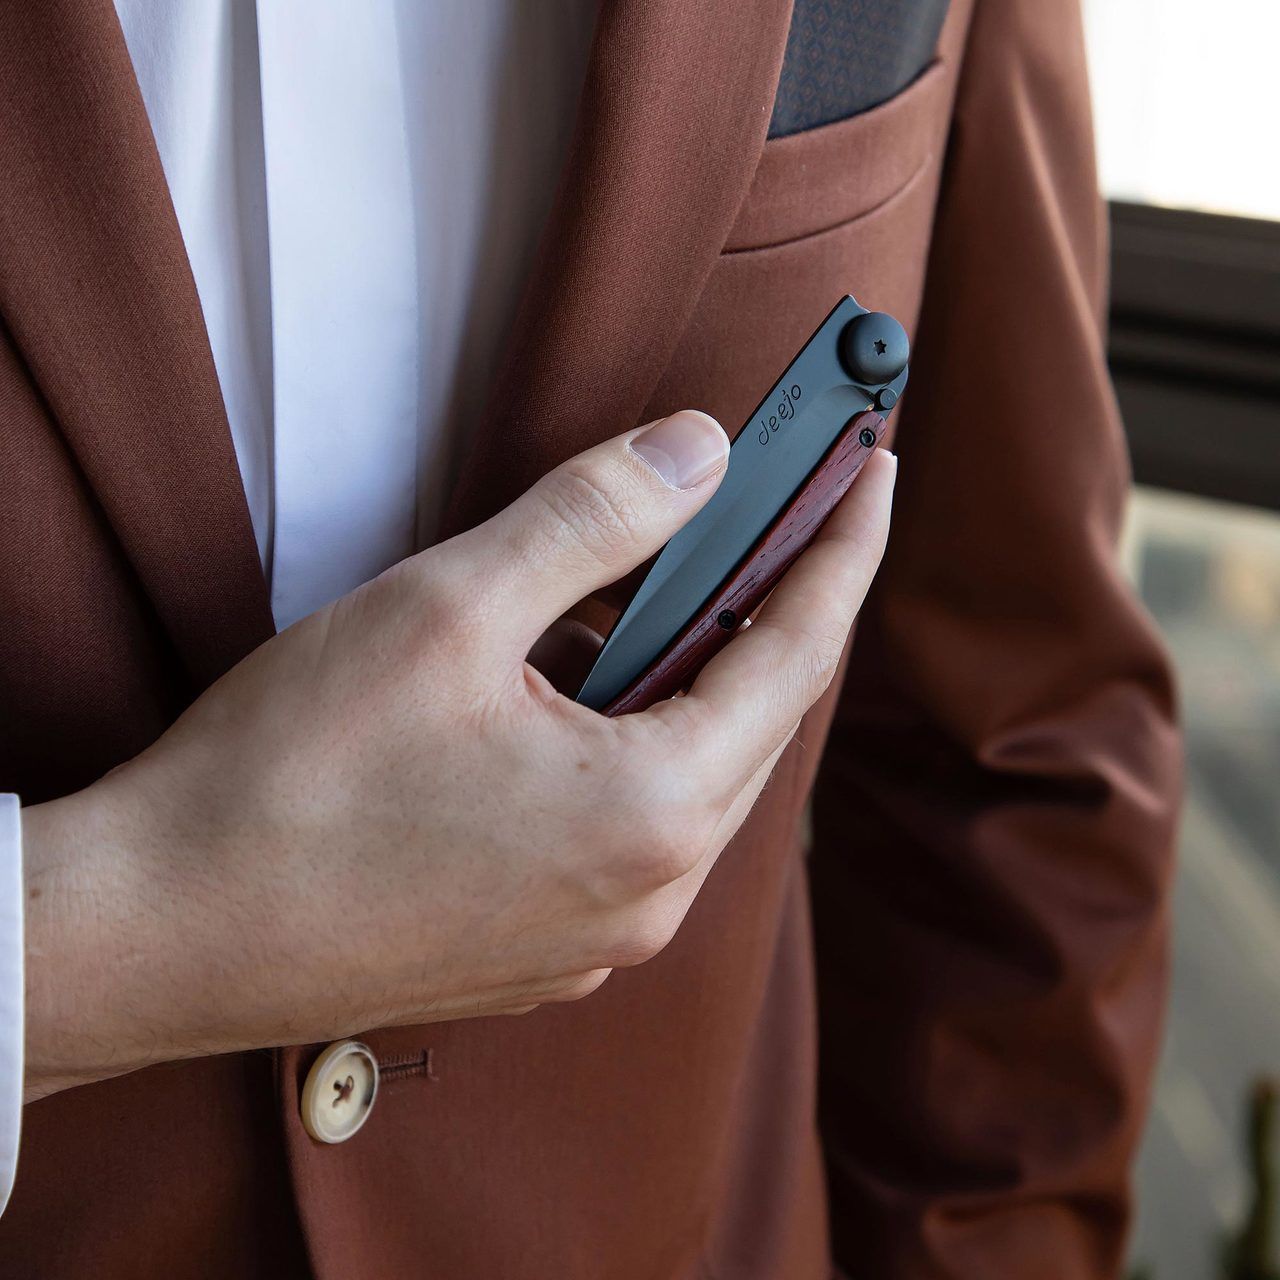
column 995, row 785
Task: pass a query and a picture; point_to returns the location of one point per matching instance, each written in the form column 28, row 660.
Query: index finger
column 748, row 699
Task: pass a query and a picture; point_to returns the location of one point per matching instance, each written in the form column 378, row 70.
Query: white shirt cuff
column 11, row 990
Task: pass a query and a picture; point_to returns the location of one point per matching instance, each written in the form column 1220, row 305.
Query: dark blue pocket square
column 846, row 56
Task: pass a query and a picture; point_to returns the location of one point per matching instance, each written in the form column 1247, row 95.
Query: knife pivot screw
column 728, row 619
column 866, row 437
column 873, row 348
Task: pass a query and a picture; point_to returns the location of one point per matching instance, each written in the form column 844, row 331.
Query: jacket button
column 339, row 1091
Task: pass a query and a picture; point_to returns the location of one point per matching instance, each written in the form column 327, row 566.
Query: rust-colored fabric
column 992, row 815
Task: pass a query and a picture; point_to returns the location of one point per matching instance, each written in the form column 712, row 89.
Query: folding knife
column 794, row 459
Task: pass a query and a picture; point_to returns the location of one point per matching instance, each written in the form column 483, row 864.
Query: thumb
column 594, row 518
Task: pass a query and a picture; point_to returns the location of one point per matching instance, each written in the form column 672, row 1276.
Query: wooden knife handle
column 743, row 591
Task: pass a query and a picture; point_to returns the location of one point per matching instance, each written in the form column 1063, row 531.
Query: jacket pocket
column 816, row 180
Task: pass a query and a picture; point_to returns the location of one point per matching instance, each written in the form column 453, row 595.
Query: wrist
column 104, row 955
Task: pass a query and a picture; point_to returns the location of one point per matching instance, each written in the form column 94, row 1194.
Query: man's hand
column 385, row 816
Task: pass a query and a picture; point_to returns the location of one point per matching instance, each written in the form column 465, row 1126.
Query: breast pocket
column 843, row 208
column 814, row 181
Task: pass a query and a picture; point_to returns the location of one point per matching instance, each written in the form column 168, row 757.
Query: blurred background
column 1187, row 110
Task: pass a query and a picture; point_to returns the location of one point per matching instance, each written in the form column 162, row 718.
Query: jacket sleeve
column 994, row 814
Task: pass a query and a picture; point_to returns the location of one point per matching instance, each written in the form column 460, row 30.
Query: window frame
column 1194, row 349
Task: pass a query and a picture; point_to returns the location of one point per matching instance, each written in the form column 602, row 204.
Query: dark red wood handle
column 743, row 591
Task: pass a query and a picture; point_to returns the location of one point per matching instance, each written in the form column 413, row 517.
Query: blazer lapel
column 97, row 295
column 673, row 118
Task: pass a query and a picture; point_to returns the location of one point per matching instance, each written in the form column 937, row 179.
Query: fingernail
column 684, row 449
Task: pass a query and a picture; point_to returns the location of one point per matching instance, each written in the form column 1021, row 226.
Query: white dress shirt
column 360, row 189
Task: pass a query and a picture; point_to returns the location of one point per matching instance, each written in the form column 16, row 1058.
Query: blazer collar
column 98, row 296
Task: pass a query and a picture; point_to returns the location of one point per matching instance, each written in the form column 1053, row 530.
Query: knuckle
column 673, row 857
column 577, row 986
column 663, row 849
column 863, row 540
column 451, row 615
column 645, row 938
column 597, row 511
column 646, row 858
column 823, row 653
column 815, row 653
column 447, row 604
column 660, row 823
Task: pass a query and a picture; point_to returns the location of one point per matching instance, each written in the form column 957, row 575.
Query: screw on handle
column 745, row 589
